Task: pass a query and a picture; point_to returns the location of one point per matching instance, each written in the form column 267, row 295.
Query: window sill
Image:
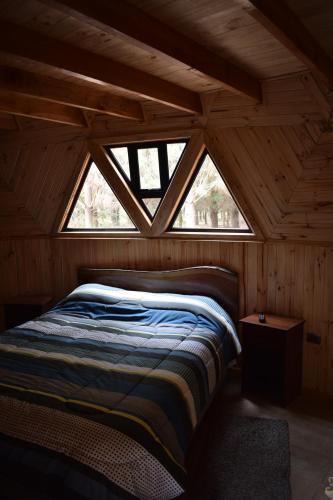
column 184, row 236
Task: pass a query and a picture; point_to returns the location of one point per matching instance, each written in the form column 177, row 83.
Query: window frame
column 134, row 167
column 66, row 229
column 222, row 231
column 157, row 226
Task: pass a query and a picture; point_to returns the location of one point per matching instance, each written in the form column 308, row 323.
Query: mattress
column 100, row 396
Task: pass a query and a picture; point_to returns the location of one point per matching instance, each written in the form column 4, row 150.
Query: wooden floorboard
column 311, row 436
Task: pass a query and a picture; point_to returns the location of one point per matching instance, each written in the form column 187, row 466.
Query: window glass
column 209, row 204
column 151, row 204
column 175, row 150
column 121, row 155
column 97, row 207
column 149, row 168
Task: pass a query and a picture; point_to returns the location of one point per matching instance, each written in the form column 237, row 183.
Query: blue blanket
column 100, row 396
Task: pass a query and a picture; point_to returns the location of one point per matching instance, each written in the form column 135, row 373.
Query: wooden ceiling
column 254, row 81
column 69, row 61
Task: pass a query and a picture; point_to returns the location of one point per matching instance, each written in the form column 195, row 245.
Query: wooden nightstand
column 20, row 309
column 272, row 357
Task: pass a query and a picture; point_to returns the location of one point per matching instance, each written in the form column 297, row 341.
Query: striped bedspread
column 100, row 396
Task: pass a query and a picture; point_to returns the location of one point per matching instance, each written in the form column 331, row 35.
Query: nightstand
column 272, row 357
column 20, row 309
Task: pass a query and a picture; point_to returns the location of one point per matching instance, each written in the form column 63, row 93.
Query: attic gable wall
column 284, row 175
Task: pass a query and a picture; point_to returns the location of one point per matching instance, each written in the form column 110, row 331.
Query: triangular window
column 148, row 167
column 208, row 204
column 96, row 207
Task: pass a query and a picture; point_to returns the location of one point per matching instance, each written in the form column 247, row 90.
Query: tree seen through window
column 209, row 204
column 97, row 207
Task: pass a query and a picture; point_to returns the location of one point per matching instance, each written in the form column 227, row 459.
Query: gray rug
column 244, row 458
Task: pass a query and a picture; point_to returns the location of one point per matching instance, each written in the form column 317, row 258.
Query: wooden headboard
column 215, row 282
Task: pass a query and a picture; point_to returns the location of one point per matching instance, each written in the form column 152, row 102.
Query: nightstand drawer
column 272, row 357
column 262, row 370
column 261, row 336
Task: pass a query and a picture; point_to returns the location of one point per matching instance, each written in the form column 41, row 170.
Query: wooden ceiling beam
column 31, row 107
column 23, row 42
column 54, row 90
column 127, row 19
column 288, row 29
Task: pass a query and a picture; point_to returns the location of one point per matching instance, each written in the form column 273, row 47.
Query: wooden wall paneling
column 138, row 254
column 33, row 265
column 245, row 170
column 35, row 175
column 287, row 101
column 322, row 304
column 43, row 173
column 57, row 169
column 25, row 267
column 312, row 352
column 300, row 140
column 253, row 279
column 272, row 270
column 8, row 287
column 297, row 267
column 14, row 218
column 282, row 280
column 315, row 129
column 9, row 157
column 236, row 262
column 311, row 85
column 8, row 271
column 262, row 279
column 266, row 154
column 329, row 317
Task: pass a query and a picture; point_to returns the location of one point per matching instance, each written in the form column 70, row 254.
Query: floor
column 311, row 435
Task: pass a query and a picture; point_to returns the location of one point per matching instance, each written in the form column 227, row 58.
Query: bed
column 100, row 397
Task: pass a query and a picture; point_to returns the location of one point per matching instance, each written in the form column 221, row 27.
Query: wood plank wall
column 284, row 278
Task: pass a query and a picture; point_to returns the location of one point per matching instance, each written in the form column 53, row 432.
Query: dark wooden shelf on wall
column 20, row 309
column 272, row 357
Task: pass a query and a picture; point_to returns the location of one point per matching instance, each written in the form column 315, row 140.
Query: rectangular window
column 149, row 168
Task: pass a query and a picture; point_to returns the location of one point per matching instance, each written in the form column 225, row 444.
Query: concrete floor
column 311, row 435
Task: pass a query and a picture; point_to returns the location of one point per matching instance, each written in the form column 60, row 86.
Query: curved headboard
column 215, row 282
